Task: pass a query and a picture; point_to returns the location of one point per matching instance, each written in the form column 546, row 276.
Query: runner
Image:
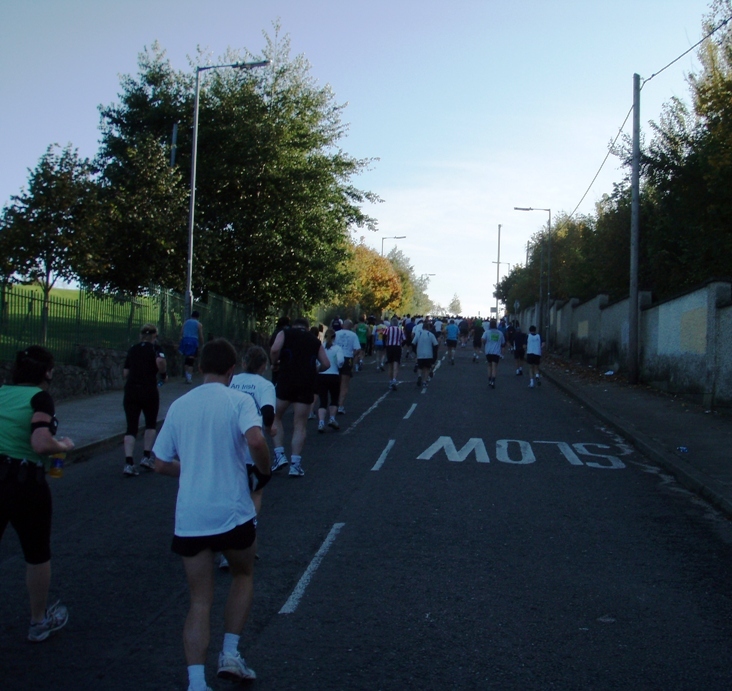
column 379, row 347
column 348, row 342
column 451, row 339
column 533, row 355
column 464, row 329
column 145, row 361
column 191, row 339
column 394, row 341
column 300, row 356
column 27, row 428
column 493, row 342
column 329, row 383
column 519, row 348
column 362, row 332
column 478, row 332
column 424, row 343
column 209, row 431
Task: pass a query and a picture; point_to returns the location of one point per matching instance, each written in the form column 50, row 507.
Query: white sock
column 296, row 460
column 231, row 643
column 279, row 450
column 197, row 677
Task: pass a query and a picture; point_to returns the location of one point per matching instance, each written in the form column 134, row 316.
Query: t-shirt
column 262, row 392
column 362, row 332
column 451, row 331
column 190, row 328
column 379, row 330
column 299, row 359
column 140, row 361
column 18, row 404
column 494, row 341
column 205, row 430
column 424, row 341
column 335, row 355
column 533, row 344
column 347, row 341
column 394, row 336
column 438, row 326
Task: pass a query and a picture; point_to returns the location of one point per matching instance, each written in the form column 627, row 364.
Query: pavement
column 691, row 443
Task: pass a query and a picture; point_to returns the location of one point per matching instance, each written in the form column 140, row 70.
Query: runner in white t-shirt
column 203, row 442
column 533, row 356
column 349, row 344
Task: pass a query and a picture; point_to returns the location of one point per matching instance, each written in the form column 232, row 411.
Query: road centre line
column 384, row 454
column 410, row 411
column 294, row 600
column 363, row 415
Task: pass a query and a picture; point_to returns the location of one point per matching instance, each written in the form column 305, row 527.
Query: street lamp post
column 390, row 237
column 192, row 207
column 545, row 321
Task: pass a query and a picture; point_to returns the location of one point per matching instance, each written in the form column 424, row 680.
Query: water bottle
column 57, row 465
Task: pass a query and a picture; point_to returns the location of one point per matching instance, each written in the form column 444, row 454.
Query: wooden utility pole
column 633, row 319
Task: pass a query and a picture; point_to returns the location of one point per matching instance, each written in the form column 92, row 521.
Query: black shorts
column 141, row 399
column 518, row 354
column 393, row 353
column 533, row 359
column 27, row 506
column 451, row 343
column 478, row 342
column 241, row 537
column 294, row 393
column 329, row 385
column 424, row 363
column 347, row 368
column 492, row 358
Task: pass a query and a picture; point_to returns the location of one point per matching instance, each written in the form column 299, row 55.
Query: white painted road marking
column 410, row 411
column 363, row 415
column 294, row 600
column 384, row 454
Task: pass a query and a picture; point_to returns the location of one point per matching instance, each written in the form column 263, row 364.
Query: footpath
column 691, row 443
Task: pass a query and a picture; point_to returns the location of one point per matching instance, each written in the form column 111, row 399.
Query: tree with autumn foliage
column 376, row 286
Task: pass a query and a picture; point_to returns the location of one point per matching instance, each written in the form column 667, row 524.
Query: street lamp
column 549, row 266
column 390, row 237
column 192, row 209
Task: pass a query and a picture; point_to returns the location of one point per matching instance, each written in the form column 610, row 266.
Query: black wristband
column 257, row 479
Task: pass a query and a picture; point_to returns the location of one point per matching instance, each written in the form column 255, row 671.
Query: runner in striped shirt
column 394, row 339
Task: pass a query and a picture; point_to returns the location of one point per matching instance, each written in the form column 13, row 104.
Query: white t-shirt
column 335, row 355
column 533, row 344
column 425, row 340
column 260, row 389
column 205, row 430
column 438, row 326
column 493, row 341
column 347, row 341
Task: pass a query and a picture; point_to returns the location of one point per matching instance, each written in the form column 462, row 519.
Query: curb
column 686, row 475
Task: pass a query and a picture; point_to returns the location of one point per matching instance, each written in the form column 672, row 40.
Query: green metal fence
column 108, row 321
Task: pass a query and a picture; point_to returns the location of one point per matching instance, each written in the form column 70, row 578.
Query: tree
column 52, row 223
column 376, row 286
column 454, row 307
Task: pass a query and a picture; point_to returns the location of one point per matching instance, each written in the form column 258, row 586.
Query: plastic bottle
column 57, row 464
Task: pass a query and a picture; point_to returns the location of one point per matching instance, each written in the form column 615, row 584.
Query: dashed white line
column 371, row 409
column 294, row 600
column 410, row 411
column 384, row 454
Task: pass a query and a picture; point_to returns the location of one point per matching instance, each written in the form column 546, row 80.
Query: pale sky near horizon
column 472, row 107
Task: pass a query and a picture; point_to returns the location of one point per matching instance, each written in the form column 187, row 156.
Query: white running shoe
column 233, row 667
column 341, row 410
column 223, row 563
column 147, row 463
column 56, row 617
column 321, row 426
column 296, row 470
column 130, row 470
column 279, row 462
column 333, row 423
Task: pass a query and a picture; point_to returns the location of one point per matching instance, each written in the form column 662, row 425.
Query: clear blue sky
column 473, row 107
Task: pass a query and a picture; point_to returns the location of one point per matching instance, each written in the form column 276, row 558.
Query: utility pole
column 498, row 268
column 633, row 319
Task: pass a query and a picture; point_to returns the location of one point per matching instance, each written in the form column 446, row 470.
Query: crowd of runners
column 214, row 442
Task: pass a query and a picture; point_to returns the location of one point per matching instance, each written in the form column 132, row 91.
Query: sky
column 470, row 107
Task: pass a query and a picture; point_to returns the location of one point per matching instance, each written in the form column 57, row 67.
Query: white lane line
column 410, row 411
column 384, row 454
column 294, row 600
column 371, row 409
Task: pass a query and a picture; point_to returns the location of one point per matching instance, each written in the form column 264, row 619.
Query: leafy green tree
column 51, row 224
column 454, row 307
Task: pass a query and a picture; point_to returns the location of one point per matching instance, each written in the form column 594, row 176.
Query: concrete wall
column 685, row 342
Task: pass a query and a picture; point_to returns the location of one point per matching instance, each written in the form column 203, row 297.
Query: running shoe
column 531, row 383
column 223, row 563
column 233, row 667
column 419, row 380
column 333, row 423
column 312, row 416
column 147, row 463
column 296, row 470
column 341, row 410
column 56, row 617
column 280, row 461
column 130, row 471
column 321, row 426
column 538, row 380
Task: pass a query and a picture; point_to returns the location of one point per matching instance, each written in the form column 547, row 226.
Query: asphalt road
column 462, row 538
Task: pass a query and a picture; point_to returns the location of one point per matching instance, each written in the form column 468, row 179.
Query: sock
column 146, row 454
column 231, row 643
column 279, row 450
column 197, row 677
column 296, row 460
column 129, row 460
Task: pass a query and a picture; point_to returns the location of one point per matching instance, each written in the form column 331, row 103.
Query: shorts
column 294, row 393
column 241, row 537
column 533, row 359
column 478, row 342
column 518, row 354
column 424, row 363
column 393, row 353
column 451, row 343
column 347, row 368
column 329, row 385
column 492, row 358
column 27, row 506
column 188, row 348
column 141, row 399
